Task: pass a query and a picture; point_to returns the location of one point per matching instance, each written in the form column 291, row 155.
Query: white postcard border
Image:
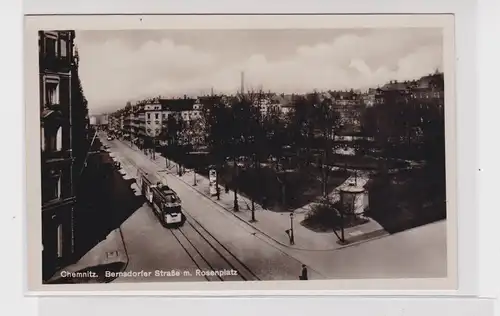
column 446, row 286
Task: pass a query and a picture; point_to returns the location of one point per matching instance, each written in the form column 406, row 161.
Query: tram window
column 171, row 198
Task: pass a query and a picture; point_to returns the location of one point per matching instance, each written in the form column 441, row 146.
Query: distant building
column 104, row 119
column 187, row 111
column 428, row 88
column 146, row 121
column 368, row 98
column 153, row 119
column 287, row 103
column 113, row 123
column 349, row 105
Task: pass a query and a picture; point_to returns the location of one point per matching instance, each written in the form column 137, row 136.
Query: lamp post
column 292, row 239
column 154, row 141
column 236, row 207
column 156, row 134
column 217, row 190
column 253, row 200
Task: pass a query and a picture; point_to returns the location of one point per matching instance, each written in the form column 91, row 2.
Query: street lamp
column 292, row 239
column 253, row 200
column 154, row 143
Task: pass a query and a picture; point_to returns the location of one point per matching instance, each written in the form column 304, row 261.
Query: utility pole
column 235, row 206
column 253, row 200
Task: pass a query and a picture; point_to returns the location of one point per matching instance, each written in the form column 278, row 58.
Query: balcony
column 53, row 114
column 54, row 107
column 53, row 156
column 58, row 203
column 55, row 63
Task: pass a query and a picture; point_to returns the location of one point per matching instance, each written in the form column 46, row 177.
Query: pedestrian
column 226, row 187
column 303, row 275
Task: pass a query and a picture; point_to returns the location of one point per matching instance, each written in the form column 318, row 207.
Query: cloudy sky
column 118, row 66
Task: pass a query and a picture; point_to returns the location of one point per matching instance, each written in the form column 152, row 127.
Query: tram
column 165, row 203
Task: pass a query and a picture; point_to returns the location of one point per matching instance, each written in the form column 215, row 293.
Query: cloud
column 114, row 72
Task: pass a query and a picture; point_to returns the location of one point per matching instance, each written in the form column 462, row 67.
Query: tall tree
column 327, row 122
column 79, row 117
column 128, row 106
column 301, row 127
column 217, row 118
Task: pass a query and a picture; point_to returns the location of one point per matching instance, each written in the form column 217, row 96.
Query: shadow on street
column 104, row 201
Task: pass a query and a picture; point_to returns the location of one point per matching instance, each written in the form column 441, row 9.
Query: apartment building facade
column 58, row 197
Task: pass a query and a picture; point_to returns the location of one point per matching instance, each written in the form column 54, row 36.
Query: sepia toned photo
column 179, row 155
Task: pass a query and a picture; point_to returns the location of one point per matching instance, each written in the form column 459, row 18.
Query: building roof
column 435, row 80
column 209, row 98
column 395, row 85
column 343, row 95
column 184, row 104
column 432, row 81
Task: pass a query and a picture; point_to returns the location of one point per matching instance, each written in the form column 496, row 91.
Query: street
column 210, row 240
column 213, row 240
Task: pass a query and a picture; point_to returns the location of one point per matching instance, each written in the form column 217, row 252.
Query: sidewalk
column 109, row 255
column 274, row 224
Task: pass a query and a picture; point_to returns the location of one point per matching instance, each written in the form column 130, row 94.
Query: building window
column 50, row 46
column 149, row 116
column 42, row 138
column 51, row 92
column 59, row 139
column 52, row 186
column 164, row 115
column 50, row 142
column 64, row 48
column 59, row 241
column 156, row 116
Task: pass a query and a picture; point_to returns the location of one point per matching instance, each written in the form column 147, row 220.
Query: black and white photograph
column 177, row 155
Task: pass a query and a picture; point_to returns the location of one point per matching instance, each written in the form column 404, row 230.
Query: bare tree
column 327, row 122
column 217, row 118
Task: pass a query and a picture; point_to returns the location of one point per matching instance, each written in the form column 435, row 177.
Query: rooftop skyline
column 121, row 66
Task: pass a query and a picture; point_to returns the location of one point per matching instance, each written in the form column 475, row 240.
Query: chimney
column 242, row 88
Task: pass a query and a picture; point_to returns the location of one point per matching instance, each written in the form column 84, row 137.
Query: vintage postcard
column 239, row 153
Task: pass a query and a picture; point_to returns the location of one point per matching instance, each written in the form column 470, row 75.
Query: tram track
column 189, row 253
column 209, row 254
column 232, row 260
